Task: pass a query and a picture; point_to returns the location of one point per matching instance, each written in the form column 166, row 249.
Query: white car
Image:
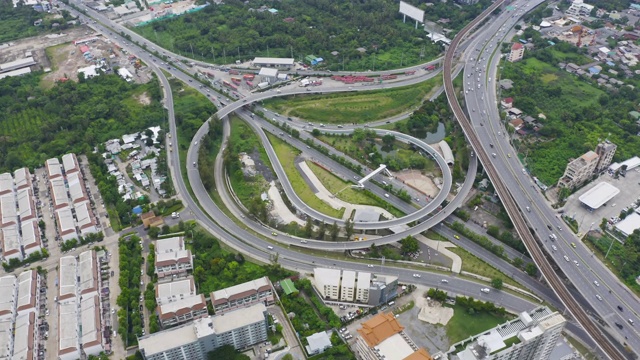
column 566, row 258
column 596, row 283
column 576, row 262
column 416, row 275
column 370, row 265
column 444, row 281
column 485, row 290
column 598, row 297
column 554, row 247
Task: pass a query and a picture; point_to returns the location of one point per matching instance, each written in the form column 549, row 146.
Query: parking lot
column 629, row 187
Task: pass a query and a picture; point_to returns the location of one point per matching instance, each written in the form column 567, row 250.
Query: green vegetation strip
column 346, row 193
column 355, row 107
column 465, row 323
column 287, row 155
column 472, row 264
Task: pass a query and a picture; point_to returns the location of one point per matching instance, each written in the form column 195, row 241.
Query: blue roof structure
column 137, row 210
column 594, row 70
column 610, row 63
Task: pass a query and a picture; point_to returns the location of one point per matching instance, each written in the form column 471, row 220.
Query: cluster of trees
column 18, row 22
column 435, row 294
column 33, row 257
column 224, row 33
column 226, row 352
column 307, row 322
column 363, row 145
column 409, row 245
column 246, row 188
column 215, row 268
column 458, row 16
column 426, row 118
column 191, row 110
column 209, row 145
column 507, row 238
column 573, row 125
column 479, row 239
column 477, row 306
column 81, row 240
column 37, row 124
column 129, row 321
column 624, row 258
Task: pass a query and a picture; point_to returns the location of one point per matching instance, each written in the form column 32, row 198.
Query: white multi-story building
column 579, row 8
column 335, row 285
column 172, row 258
column 348, row 285
column 239, row 328
column 533, row 336
column 178, row 302
column 579, row 170
column 242, row 295
column 327, row 283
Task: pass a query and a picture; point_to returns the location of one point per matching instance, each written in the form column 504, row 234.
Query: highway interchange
column 488, row 127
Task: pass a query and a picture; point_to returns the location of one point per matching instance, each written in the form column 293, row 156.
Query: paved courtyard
column 629, row 187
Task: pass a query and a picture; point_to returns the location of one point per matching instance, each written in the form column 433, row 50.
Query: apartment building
column 532, row 336
column 178, row 302
column 516, row 53
column 335, row 285
column 579, row 8
column 327, row 282
column 605, row 150
column 242, row 295
column 192, row 341
column 579, row 170
column 172, row 258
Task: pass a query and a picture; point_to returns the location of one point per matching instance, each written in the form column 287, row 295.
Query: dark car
column 619, row 307
column 619, row 326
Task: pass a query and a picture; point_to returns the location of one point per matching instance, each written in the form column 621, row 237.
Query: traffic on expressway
column 590, row 278
column 487, row 137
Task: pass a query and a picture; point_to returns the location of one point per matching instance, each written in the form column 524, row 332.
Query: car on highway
column 370, row 265
column 630, row 321
column 573, row 245
column 445, row 281
column 620, row 308
column 598, row 297
column 485, row 290
column 566, row 258
column 456, row 236
column 576, row 262
column 416, row 275
column 619, row 326
column 274, row 233
column 596, row 283
column 270, row 247
column 554, row 247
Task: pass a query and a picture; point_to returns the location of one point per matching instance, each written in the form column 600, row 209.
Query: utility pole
column 224, row 53
column 267, row 50
column 192, row 56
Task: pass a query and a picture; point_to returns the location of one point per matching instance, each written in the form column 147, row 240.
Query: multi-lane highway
column 503, row 169
column 227, row 230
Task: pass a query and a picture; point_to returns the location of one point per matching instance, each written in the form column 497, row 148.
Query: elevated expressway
column 256, row 247
column 499, row 178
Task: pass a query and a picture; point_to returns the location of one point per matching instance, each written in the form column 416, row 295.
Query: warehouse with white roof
column 8, row 294
column 25, row 337
column 28, row 294
column 91, row 329
column 70, row 164
column 77, row 188
column 6, row 184
column 86, row 220
column 26, row 205
column 87, row 274
column 68, row 331
column 31, row 240
column 58, row 193
column 10, row 239
column 280, row 63
column 172, row 258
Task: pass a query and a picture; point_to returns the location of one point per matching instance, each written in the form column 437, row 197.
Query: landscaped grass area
column 243, row 139
column 462, row 324
column 286, row 155
column 349, row 194
column 472, row 264
column 357, row 107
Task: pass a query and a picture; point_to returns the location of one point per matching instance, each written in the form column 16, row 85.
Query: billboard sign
column 411, row 11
